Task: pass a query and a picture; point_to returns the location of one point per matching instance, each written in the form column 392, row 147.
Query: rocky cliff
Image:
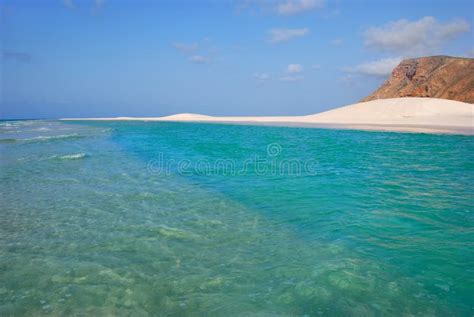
column 436, row 76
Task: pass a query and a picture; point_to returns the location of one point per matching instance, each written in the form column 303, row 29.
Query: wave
column 76, row 156
column 52, row 137
column 14, row 124
column 43, row 138
column 7, row 125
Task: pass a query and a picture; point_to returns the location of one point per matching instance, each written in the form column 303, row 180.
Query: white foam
column 50, row 137
column 72, row 156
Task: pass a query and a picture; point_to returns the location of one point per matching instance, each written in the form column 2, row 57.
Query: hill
column 442, row 77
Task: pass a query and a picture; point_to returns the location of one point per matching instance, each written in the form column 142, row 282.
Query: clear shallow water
column 92, row 222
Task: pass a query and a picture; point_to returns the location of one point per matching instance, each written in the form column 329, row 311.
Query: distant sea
column 188, row 219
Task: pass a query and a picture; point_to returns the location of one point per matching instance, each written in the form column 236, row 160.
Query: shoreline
column 431, row 129
column 411, row 114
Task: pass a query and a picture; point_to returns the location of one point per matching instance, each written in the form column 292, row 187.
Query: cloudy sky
column 71, row 58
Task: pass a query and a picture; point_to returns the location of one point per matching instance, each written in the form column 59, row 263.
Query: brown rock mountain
column 436, row 76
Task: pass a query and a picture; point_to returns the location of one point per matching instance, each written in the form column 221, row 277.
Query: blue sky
column 150, row 58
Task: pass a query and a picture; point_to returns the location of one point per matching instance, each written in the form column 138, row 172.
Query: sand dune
column 397, row 114
column 416, row 111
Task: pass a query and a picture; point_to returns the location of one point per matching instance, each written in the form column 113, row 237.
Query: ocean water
column 184, row 219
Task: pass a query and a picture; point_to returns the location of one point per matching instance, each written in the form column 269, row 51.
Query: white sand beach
column 397, row 114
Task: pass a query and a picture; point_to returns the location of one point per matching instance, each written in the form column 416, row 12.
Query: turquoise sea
column 188, row 219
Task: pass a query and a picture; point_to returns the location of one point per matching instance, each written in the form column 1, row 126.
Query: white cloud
column 284, row 35
column 186, row 48
column 337, row 42
column 349, row 79
column 99, row 3
column 197, row 52
column 381, row 67
column 279, row 7
column 293, row 73
column 69, row 4
column 199, row 59
column 294, row 68
column 291, row 78
column 424, row 36
column 261, row 76
column 291, row 7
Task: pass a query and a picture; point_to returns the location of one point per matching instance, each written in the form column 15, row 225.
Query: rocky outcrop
column 436, row 77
